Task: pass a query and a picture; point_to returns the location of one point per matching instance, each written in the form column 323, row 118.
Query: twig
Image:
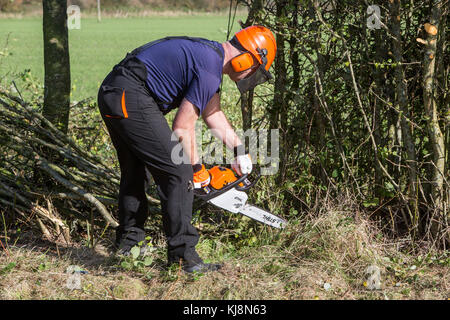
column 4, row 249
column 86, row 195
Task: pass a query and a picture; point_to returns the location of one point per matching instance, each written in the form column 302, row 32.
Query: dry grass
column 322, row 256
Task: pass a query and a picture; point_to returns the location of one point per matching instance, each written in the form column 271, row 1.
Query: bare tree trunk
column 429, row 100
column 247, row 109
column 377, row 120
column 254, row 16
column 443, row 95
column 99, row 12
column 254, row 13
column 402, row 104
column 278, row 117
column 57, row 63
column 443, row 78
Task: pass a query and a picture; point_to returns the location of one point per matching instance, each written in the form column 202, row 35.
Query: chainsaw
column 228, row 191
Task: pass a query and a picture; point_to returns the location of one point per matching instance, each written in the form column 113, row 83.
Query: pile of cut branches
column 47, row 177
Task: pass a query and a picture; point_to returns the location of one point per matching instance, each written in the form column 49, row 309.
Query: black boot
column 125, row 240
column 196, row 265
column 202, row 267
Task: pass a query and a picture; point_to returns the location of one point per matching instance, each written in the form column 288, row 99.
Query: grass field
column 97, row 47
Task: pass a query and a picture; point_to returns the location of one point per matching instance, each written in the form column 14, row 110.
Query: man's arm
column 184, row 127
column 216, row 120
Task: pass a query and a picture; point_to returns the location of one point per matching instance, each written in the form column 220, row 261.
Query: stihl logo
column 238, row 205
column 267, row 218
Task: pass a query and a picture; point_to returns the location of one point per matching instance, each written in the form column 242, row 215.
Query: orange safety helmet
column 260, row 42
column 257, row 43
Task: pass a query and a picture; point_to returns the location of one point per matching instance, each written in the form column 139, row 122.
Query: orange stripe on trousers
column 124, row 107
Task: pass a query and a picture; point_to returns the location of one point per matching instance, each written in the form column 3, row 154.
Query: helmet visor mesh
column 259, row 77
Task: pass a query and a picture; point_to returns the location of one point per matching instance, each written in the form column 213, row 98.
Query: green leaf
column 148, row 261
column 290, row 185
column 388, row 186
column 138, row 263
column 335, row 173
column 42, row 267
column 135, row 251
column 371, row 202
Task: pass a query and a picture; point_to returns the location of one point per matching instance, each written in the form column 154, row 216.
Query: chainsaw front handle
column 249, row 184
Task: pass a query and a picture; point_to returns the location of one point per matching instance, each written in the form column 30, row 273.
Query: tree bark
column 99, row 12
column 254, row 16
column 56, row 63
column 402, row 105
column 254, row 13
column 278, row 113
column 429, row 100
column 377, row 120
column 247, row 109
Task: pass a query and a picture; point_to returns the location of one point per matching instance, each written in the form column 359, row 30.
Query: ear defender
column 242, row 62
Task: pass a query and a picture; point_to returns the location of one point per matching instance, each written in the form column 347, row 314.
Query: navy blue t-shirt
column 182, row 68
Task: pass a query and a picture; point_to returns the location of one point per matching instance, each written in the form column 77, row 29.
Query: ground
column 322, row 257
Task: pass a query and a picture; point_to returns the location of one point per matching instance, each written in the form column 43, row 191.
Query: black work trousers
column 142, row 138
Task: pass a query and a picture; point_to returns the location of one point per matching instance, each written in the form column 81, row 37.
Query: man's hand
column 242, row 164
column 201, row 176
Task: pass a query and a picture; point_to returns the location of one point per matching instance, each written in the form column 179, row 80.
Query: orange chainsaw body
column 221, row 176
column 227, row 191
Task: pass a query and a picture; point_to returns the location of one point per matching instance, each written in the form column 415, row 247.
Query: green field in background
column 97, row 47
